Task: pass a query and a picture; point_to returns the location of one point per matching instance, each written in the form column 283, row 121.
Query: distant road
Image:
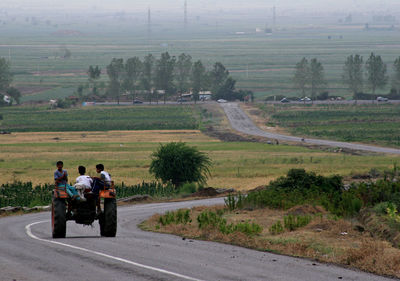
column 28, row 253
column 347, row 102
column 241, row 122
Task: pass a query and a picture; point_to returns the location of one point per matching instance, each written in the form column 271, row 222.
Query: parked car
column 285, row 100
column 222, row 101
column 382, row 99
column 137, row 102
column 181, row 100
column 305, row 99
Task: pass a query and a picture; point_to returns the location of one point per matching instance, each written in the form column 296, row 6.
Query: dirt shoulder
column 325, row 238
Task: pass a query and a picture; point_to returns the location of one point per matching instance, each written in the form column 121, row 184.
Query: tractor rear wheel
column 58, row 218
column 108, row 219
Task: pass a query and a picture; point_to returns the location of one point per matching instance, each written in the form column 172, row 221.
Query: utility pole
column 274, row 17
column 185, row 20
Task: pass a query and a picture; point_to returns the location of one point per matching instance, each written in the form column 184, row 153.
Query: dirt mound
column 206, row 192
column 259, row 188
column 306, row 210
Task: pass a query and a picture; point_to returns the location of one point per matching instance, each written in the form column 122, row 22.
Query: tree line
column 6, row 78
column 309, row 76
column 165, row 76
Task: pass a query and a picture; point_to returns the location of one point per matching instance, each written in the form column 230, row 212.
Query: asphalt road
column 241, row 122
column 27, row 252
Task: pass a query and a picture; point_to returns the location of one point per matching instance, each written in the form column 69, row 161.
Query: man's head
column 60, row 165
column 81, row 170
column 99, row 168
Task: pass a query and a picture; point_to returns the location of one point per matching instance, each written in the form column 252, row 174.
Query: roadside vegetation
column 373, row 123
column 306, row 215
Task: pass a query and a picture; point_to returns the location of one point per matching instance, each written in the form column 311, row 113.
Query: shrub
column 181, row 216
column 276, row 228
column 179, row 163
column 233, row 202
column 292, row 223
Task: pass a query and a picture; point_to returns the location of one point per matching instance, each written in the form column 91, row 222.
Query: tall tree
column 199, row 79
column 353, row 73
column 164, row 77
column 227, row 90
column 15, row 94
column 115, row 71
column 94, row 75
column 183, row 70
column 396, row 75
column 317, row 79
column 376, row 72
column 147, row 75
column 218, row 76
column 5, row 74
column 133, row 72
column 301, row 76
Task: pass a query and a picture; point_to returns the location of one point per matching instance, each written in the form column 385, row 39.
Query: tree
column 183, row 71
column 15, row 94
column 198, row 79
column 147, row 74
column 227, row 90
column 396, row 75
column 317, row 80
column 164, row 77
column 94, row 75
column 301, row 75
column 115, row 71
column 179, row 163
column 376, row 72
column 353, row 73
column 5, row 74
column 133, row 69
column 218, row 76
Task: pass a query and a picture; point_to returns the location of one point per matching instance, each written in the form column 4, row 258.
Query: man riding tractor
column 83, row 207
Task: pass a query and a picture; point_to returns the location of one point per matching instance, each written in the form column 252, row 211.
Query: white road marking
column 30, row 234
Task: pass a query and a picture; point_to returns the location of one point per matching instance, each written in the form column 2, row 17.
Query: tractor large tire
column 108, row 219
column 58, row 218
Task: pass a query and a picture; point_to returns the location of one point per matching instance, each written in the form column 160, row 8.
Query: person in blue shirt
column 61, row 180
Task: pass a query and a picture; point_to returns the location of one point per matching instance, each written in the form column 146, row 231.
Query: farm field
column 127, row 155
column 259, row 62
column 99, row 118
column 375, row 124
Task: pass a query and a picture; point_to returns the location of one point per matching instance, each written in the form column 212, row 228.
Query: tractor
column 65, row 208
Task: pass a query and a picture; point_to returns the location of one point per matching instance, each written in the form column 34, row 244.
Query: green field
column 260, row 63
column 99, row 118
column 376, row 124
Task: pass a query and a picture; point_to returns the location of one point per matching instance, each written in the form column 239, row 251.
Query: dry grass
column 127, row 156
column 324, row 239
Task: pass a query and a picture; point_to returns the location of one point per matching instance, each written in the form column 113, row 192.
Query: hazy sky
column 135, row 5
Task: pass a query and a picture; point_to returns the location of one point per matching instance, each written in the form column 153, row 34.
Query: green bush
column 181, row 216
column 179, row 163
column 292, row 222
column 276, row 228
column 233, row 202
column 188, row 188
column 209, row 219
column 381, row 208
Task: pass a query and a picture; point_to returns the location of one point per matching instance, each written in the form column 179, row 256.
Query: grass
column 33, row 119
column 376, row 124
column 126, row 154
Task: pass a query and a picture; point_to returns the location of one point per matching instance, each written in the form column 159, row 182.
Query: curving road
column 27, row 252
column 241, row 122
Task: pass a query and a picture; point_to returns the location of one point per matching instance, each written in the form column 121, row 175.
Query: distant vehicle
column 222, row 101
column 382, row 99
column 285, row 100
column 181, row 100
column 305, row 99
column 137, row 102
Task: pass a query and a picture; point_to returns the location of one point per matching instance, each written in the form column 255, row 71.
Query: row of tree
column 309, row 76
column 6, row 78
column 168, row 75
